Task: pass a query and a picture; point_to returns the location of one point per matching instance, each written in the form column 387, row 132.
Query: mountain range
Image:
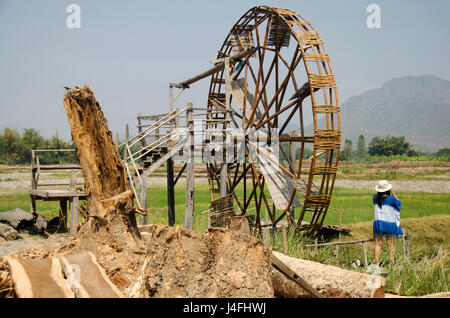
column 417, row 107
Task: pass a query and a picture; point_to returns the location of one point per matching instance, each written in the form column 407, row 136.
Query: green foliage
column 405, row 157
column 390, row 146
column 307, row 153
column 346, row 154
column 444, row 152
column 16, row 149
column 361, row 150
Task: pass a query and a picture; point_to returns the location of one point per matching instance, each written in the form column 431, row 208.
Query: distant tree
column 347, row 152
column 361, row 150
column 31, row 140
column 16, row 149
column 11, row 147
column 444, row 152
column 307, row 153
column 390, row 146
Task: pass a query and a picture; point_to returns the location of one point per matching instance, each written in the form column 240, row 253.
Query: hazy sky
column 128, row 51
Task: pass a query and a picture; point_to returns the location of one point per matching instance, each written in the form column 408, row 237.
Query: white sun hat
column 383, row 186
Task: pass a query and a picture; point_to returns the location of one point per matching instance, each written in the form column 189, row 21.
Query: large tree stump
column 109, row 230
column 107, row 191
column 330, row 281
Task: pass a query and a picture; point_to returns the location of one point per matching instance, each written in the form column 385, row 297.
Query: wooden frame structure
column 259, row 103
column 68, row 194
column 257, row 68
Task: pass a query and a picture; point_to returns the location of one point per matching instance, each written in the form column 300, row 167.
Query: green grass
column 425, row 215
column 368, row 172
column 358, row 206
column 425, row 271
column 8, row 202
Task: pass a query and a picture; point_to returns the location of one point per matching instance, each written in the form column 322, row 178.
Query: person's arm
column 393, row 193
column 398, row 203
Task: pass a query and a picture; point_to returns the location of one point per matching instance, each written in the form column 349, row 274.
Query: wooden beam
column 340, row 243
column 170, row 193
column 189, row 212
column 73, row 205
column 217, row 68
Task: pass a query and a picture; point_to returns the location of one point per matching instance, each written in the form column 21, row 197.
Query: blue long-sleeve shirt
column 387, row 218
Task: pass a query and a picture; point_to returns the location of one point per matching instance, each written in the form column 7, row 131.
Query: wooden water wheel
column 285, row 81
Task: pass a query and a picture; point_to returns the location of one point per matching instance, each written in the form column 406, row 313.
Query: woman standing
column 387, row 218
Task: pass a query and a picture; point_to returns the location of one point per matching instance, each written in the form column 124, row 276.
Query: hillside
column 417, row 107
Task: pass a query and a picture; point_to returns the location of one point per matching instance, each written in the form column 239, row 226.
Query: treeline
column 388, row 148
column 16, row 148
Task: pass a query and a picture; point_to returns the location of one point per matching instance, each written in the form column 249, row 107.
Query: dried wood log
column 107, row 189
column 109, row 230
column 7, row 232
column 38, row 278
column 6, row 283
column 330, row 281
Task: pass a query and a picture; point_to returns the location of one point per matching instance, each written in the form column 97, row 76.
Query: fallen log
column 7, row 232
column 329, row 281
column 293, row 276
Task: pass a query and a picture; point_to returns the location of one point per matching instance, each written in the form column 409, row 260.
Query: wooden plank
column 60, row 167
column 38, row 278
column 57, row 194
column 91, row 280
column 339, row 243
column 243, row 100
column 277, row 181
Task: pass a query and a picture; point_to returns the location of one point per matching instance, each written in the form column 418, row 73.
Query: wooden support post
column 143, row 200
column 365, row 253
column 189, row 212
column 63, row 215
column 33, row 181
column 73, row 204
column 283, row 234
column 292, row 155
column 224, row 166
column 170, row 193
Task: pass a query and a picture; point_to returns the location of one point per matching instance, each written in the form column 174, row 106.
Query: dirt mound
column 220, row 263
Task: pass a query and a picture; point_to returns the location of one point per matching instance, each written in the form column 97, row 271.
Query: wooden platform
column 40, row 191
column 57, row 195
